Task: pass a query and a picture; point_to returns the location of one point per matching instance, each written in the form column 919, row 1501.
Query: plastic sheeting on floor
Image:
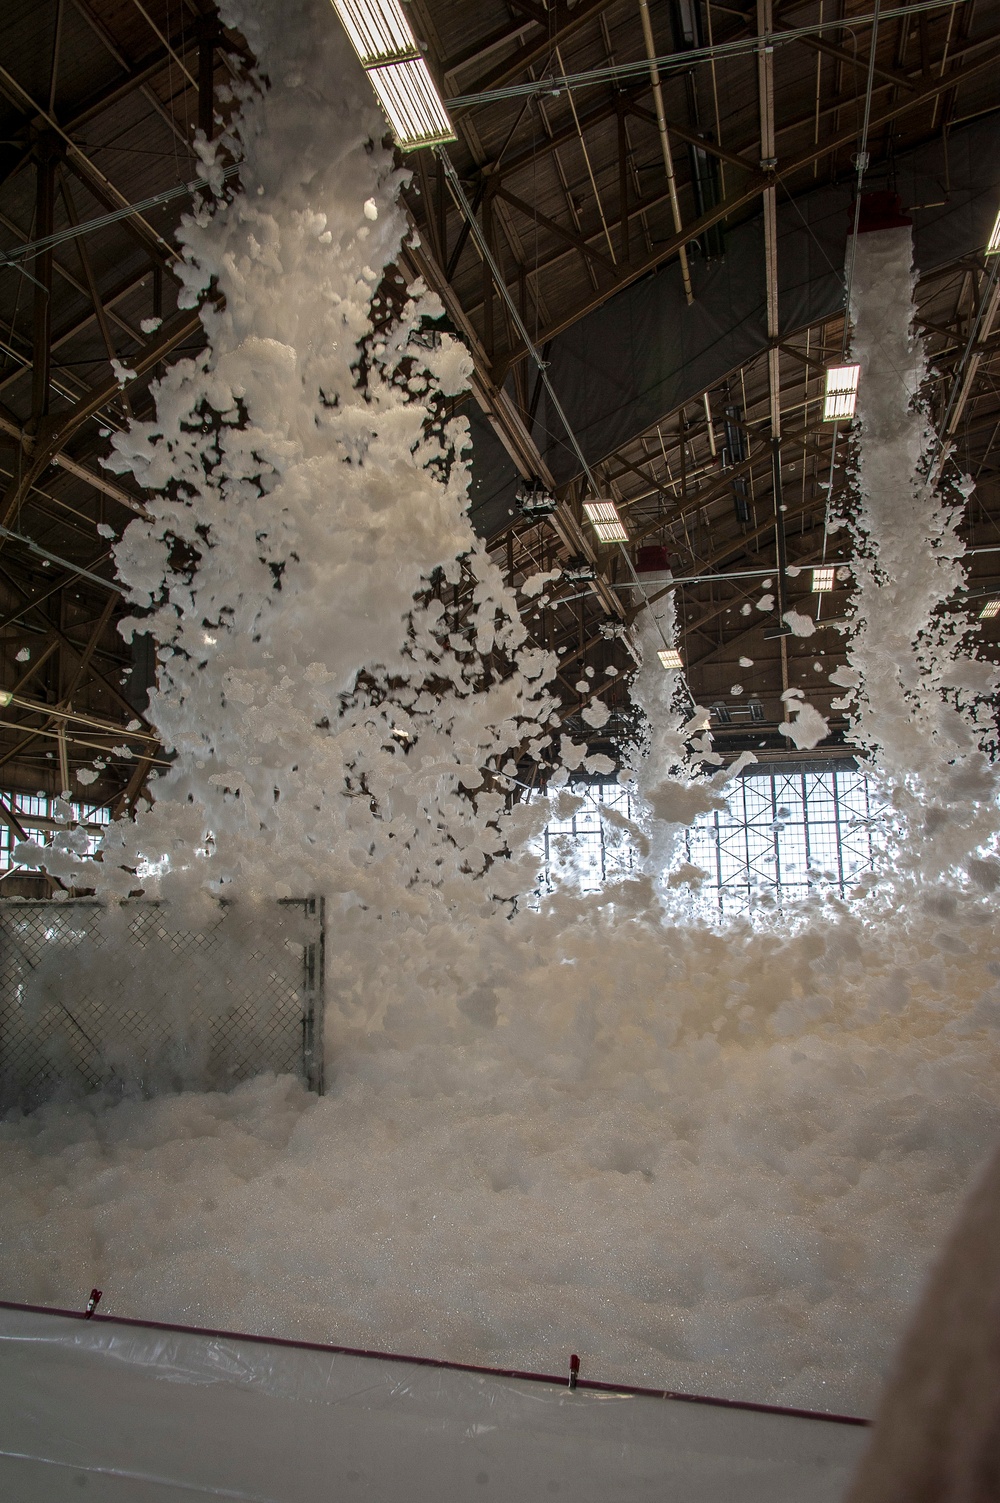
column 121, row 1411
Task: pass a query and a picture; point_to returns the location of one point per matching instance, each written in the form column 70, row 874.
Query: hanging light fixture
column 990, row 609
column 381, row 36
column 603, row 517
column 670, row 657
column 5, row 698
column 841, row 395
column 534, row 499
column 823, row 578
column 993, row 244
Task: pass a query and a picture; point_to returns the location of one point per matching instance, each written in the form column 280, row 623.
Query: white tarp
column 129, row 1413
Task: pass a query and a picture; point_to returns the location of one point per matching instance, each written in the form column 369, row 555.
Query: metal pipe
column 711, row 427
column 458, row 194
column 613, row 73
column 668, row 161
column 64, row 563
column 590, row 170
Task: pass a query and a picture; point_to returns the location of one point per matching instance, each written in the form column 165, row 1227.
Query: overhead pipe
column 668, row 161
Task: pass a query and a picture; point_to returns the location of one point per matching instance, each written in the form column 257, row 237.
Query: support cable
column 542, row 365
column 33, row 247
column 861, row 164
column 615, row 72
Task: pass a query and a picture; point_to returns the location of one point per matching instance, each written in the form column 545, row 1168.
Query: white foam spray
column 708, row 1160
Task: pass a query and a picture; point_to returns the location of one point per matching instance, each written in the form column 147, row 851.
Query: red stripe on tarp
column 560, row 1380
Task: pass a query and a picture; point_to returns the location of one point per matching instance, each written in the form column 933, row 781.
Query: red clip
column 574, row 1371
column 92, row 1303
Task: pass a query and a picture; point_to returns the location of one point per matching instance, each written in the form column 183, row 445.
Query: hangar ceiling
column 673, row 244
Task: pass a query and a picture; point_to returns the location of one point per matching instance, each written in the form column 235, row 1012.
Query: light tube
column 381, row 36
column 378, row 29
column 993, row 245
column 601, row 511
column 603, row 517
column 407, row 94
column 611, row 532
column 841, row 395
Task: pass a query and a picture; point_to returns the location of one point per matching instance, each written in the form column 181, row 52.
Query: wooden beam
column 860, row 64
column 101, row 187
column 100, row 484
column 562, row 22
column 140, row 74
column 693, row 137
column 537, row 217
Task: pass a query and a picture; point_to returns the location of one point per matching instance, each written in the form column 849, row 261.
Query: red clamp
column 92, row 1303
column 574, row 1371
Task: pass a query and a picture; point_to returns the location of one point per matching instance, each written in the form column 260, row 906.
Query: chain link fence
column 137, row 999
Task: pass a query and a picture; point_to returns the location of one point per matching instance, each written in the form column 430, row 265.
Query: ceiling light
column 378, row 29
column 841, row 393
column 601, row 511
column 993, row 245
column 989, row 610
column 670, row 657
column 5, row 698
column 823, row 579
column 381, row 36
column 610, row 532
column 603, row 517
column 407, row 93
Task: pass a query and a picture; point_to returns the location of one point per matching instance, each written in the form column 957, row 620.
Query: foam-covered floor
column 718, row 1164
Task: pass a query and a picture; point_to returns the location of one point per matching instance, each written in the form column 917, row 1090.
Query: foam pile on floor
column 709, row 1161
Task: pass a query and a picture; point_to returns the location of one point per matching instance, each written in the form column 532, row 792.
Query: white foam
column 714, row 1161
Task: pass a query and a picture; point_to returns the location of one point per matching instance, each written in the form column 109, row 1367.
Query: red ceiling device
column 881, row 210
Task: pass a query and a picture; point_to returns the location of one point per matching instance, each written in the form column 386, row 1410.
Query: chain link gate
column 129, row 999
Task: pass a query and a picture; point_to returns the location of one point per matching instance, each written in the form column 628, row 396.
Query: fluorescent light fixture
column 378, row 29
column 380, row 34
column 603, row 517
column 407, row 94
column 823, row 579
column 841, row 393
column 610, row 532
column 670, row 657
column 993, row 245
column 989, row 610
column 601, row 511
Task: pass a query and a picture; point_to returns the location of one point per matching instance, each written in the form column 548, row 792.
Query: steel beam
column 102, row 187
column 47, row 153
column 508, row 424
column 44, row 452
column 562, row 21
column 757, row 182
